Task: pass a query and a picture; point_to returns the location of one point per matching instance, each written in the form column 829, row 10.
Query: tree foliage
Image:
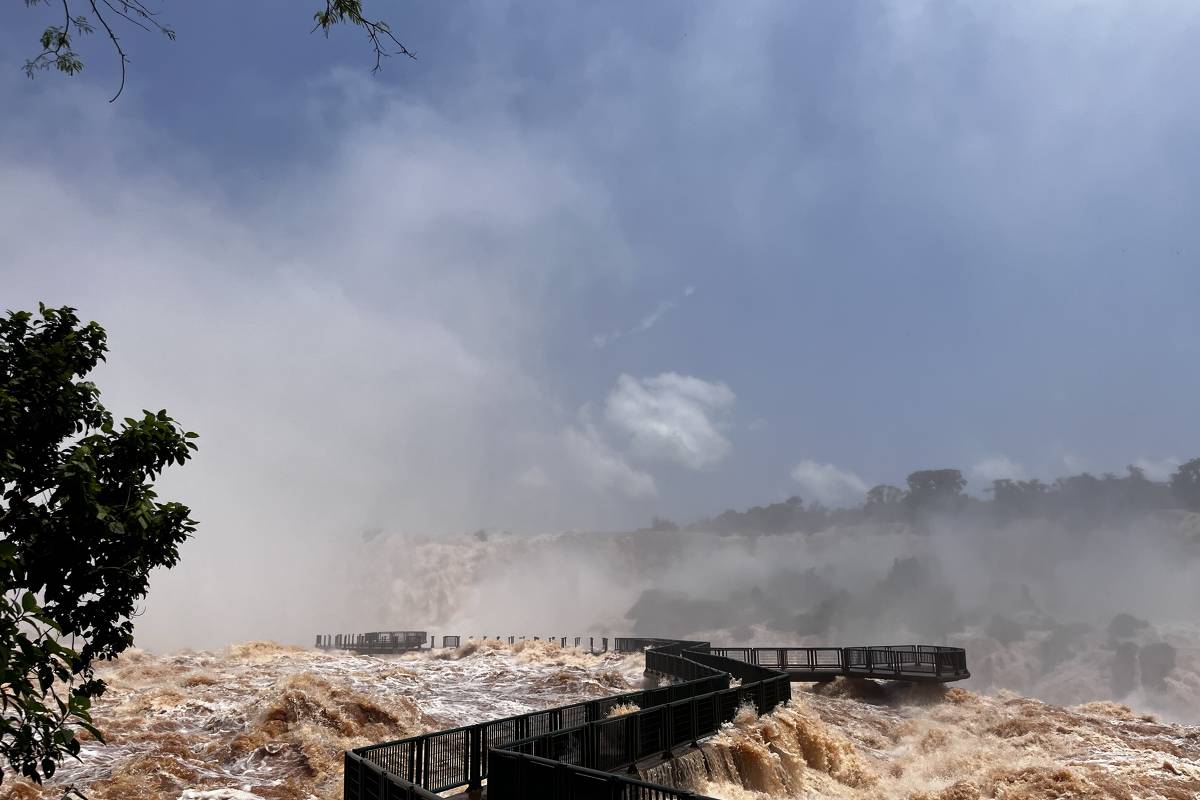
column 1185, row 484
column 935, row 490
column 80, row 530
column 884, row 494
column 1013, row 499
column 1080, row 502
column 74, row 19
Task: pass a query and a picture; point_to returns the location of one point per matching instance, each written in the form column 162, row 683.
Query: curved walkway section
column 912, row 662
column 574, row 752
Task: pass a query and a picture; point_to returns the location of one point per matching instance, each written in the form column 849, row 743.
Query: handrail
column 373, row 642
column 583, row 742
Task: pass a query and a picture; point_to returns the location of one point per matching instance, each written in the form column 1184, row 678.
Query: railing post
column 475, row 758
column 349, row 764
column 668, row 731
column 590, row 738
column 695, row 709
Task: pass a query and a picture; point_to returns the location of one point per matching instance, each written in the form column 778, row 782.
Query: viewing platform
column 579, row 752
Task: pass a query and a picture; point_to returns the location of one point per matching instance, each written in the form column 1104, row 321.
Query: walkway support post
column 475, row 746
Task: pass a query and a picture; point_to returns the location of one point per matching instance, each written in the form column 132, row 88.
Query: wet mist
column 1044, row 608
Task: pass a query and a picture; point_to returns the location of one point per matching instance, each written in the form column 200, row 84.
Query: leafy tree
column 884, row 503
column 931, row 490
column 80, row 530
column 68, row 26
column 884, row 495
column 1185, row 485
column 1012, row 499
column 785, row 517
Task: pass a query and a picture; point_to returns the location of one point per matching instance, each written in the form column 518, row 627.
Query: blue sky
column 583, row 263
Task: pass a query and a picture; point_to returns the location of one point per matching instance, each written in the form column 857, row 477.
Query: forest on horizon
column 1077, row 501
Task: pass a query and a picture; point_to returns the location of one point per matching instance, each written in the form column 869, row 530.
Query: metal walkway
column 920, row 663
column 578, row 752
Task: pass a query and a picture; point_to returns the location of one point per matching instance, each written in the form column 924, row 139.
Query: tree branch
column 120, row 51
column 57, row 50
column 377, row 30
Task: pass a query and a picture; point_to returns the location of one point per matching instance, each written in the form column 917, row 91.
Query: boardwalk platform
column 578, row 751
column 915, row 663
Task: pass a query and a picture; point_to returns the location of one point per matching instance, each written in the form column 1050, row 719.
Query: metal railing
column 534, row 777
column 375, row 642
column 388, row 642
column 906, row 662
column 569, row 752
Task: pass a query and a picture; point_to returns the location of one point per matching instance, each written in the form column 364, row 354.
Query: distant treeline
column 1076, row 500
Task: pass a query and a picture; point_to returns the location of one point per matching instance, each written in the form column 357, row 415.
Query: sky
column 580, row 264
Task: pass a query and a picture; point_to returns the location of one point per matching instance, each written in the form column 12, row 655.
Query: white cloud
column 828, row 484
column 604, row 468
column 688, row 291
column 672, row 417
column 994, row 468
column 1158, row 469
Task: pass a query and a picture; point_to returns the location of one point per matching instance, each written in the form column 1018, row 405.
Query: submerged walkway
column 578, row 752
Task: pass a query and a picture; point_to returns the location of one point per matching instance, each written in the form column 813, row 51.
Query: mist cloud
column 358, row 351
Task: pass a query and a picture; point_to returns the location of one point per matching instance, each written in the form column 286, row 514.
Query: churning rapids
column 262, row 720
column 1075, row 618
column 266, row 721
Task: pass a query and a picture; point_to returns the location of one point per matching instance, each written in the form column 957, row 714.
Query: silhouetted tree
column 935, row 490
column 1137, row 493
column 884, row 503
column 1077, row 501
column 1185, row 485
column 884, row 495
column 1017, row 499
column 785, row 517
